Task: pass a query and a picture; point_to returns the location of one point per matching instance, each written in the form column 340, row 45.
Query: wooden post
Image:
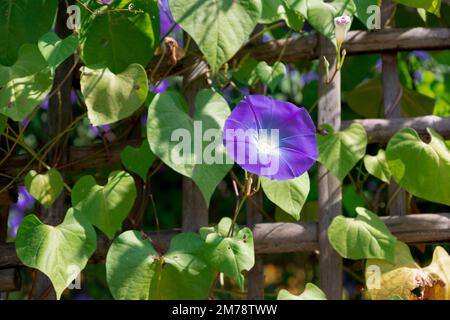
column 330, row 188
column 392, row 91
column 59, row 118
column 255, row 277
column 195, row 212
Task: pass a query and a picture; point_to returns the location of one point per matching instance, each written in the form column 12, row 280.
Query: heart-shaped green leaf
column 271, row 75
column 191, row 146
column 135, row 271
column 340, row 151
column 219, row 27
column 229, row 254
column 378, row 166
column 423, row 169
column 138, row 160
column 60, row 252
column 312, row 292
column 109, row 97
column 289, row 195
column 23, row 21
column 367, row 100
column 118, row 39
column 363, row 237
column 46, row 187
column 55, row 50
column 107, row 206
column 25, row 84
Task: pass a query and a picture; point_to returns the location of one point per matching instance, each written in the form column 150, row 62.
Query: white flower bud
column 342, row 24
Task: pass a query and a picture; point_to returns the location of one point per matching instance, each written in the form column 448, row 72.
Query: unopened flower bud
column 342, row 24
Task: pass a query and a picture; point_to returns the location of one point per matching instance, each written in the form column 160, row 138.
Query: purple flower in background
column 162, row 87
column 105, row 2
column 418, row 76
column 310, row 77
column 271, row 138
column 421, row 55
column 96, row 131
column 166, row 19
column 24, row 202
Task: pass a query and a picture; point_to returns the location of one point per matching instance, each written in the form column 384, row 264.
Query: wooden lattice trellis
column 273, row 238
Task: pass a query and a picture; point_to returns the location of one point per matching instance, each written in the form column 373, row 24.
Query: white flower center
column 267, row 146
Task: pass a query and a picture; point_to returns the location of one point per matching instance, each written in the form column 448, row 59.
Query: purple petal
column 270, row 138
column 166, row 19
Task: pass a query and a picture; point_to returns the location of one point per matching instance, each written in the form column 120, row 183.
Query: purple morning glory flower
column 270, row 138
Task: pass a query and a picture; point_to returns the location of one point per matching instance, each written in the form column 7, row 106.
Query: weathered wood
column 9, row 280
column 330, row 188
column 392, row 92
column 273, row 238
column 357, row 42
column 255, row 277
column 382, row 130
column 195, row 78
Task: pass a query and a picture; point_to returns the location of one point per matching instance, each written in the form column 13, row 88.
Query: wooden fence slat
column 273, row 238
column 357, row 42
column 195, row 212
column 255, row 277
column 392, row 92
column 330, row 188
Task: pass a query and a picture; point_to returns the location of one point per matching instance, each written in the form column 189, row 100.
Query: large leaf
column 135, row 271
column 107, row 206
column 23, row 21
column 55, row 50
column 385, row 280
column 423, row 169
column 45, row 188
column 289, row 195
column 219, row 27
column 312, row 292
column 25, row 84
column 117, row 39
column 340, row 151
column 177, row 139
column 109, row 97
column 138, row 160
column 229, row 254
column 363, row 237
column 378, row 166
column 367, row 100
column 60, row 252
column 433, row 6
